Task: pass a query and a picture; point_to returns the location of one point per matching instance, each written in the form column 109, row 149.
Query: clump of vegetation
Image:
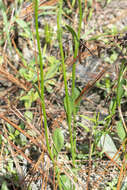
column 47, row 138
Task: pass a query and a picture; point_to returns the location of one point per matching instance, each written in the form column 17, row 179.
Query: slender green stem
column 73, row 72
column 42, row 79
column 80, row 18
column 76, row 45
column 69, row 115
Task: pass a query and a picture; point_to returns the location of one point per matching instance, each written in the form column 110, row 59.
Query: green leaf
column 4, row 186
column 29, row 74
column 113, row 57
column 71, row 104
column 107, row 145
column 108, row 85
column 66, row 183
column 71, row 101
column 6, row 28
column 37, row 89
column 28, row 116
column 25, row 27
column 48, row 33
column 120, row 91
column 10, row 166
column 17, row 133
column 29, row 98
column 90, row 14
column 112, row 107
column 83, row 126
column 58, row 139
column 10, row 128
column 23, row 139
column 88, row 118
column 121, row 82
column 53, row 68
column 11, row 136
column 76, row 93
column 120, row 130
column 70, row 29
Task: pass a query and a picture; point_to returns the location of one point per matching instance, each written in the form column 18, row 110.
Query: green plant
column 103, row 136
column 93, row 130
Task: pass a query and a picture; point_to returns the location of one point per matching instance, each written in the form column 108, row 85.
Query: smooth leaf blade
column 53, row 68
column 4, row 186
column 121, row 82
column 70, row 29
column 71, row 104
column 72, row 100
column 58, row 139
column 107, row 145
column 66, row 183
column 120, row 130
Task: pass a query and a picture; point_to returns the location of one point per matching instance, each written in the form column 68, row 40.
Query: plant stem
column 69, row 115
column 42, row 79
column 74, row 74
